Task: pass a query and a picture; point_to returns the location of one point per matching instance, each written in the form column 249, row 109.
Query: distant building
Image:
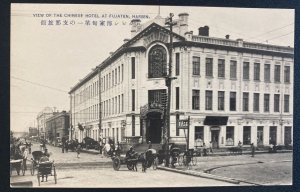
column 232, row 90
column 32, row 132
column 41, row 120
column 57, row 127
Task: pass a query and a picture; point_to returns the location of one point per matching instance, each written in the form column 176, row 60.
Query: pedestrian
column 252, row 149
column 150, row 145
column 204, row 149
column 100, row 146
column 25, row 155
column 29, row 148
column 78, row 149
column 67, row 146
column 46, row 153
column 210, row 147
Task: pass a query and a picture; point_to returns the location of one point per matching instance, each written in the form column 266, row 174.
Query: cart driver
column 130, row 153
column 46, row 153
column 44, row 159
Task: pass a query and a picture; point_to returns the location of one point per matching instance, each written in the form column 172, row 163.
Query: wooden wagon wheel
column 23, row 168
column 130, row 165
column 38, row 177
column 155, row 163
column 54, row 172
column 32, row 168
column 116, row 164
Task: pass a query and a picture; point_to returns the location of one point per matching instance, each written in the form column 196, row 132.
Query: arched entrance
column 154, row 127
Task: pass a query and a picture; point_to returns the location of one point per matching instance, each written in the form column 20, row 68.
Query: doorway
column 154, row 127
column 215, row 138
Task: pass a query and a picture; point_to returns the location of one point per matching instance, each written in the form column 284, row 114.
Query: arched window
column 157, row 61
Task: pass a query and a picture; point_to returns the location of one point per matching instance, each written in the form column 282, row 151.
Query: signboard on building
column 183, row 124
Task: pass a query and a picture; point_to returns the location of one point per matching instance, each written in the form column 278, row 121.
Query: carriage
column 119, row 158
column 17, row 161
column 44, row 169
column 172, row 156
column 18, row 164
column 36, row 156
column 151, row 158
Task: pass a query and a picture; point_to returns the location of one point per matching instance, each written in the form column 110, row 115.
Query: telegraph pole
column 100, row 107
column 169, row 78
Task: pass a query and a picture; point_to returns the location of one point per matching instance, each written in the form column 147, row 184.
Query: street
column 94, row 170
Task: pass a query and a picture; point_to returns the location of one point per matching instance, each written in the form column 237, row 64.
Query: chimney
column 183, row 23
column 204, row 31
column 227, row 36
column 134, row 26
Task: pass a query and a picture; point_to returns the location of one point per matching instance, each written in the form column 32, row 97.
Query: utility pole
column 100, row 107
column 169, row 22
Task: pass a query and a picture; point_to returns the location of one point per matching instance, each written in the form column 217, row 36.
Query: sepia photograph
column 130, row 96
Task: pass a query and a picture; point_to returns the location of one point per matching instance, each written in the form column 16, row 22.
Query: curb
column 83, row 165
column 199, row 174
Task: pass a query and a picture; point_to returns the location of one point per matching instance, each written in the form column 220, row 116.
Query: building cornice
column 233, row 48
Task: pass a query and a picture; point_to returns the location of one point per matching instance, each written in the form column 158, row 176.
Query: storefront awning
column 215, row 120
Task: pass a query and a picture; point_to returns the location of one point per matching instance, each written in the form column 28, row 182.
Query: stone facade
column 249, row 85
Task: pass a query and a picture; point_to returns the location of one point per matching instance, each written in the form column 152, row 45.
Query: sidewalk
column 208, row 164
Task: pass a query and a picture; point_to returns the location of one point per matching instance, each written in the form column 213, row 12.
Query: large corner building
column 232, row 90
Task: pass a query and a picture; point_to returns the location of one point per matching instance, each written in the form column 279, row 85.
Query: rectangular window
column 286, row 103
column 266, row 103
column 196, row 65
column 247, row 135
column 177, row 98
column 122, row 103
column 113, row 78
column 133, row 99
column 221, row 100
column 116, row 76
column 256, row 71
column 177, row 124
column 109, row 80
column 276, row 102
column 277, row 74
column 230, row 135
column 273, row 134
column 133, row 125
column 267, row 72
column 208, row 100
column 233, row 68
column 196, row 100
column 177, row 63
column 132, row 67
column 245, row 101
column 209, row 67
column 119, row 103
column 232, row 101
column 122, row 72
column 246, row 70
column 199, row 136
column 256, row 102
column 221, row 68
column 119, row 74
column 287, row 74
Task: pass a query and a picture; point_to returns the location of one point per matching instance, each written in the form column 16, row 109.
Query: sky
column 46, row 60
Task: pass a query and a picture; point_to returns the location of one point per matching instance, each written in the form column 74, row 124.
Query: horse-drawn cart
column 18, row 164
